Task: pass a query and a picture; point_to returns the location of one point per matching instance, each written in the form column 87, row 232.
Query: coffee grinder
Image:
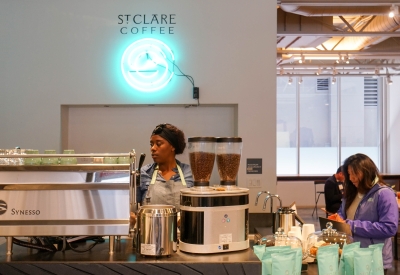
column 214, row 218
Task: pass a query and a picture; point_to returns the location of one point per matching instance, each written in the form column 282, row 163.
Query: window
column 320, row 124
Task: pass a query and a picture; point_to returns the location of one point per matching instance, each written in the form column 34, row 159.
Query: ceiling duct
column 375, row 20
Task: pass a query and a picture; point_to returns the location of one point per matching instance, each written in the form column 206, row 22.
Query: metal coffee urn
column 215, row 218
column 156, row 225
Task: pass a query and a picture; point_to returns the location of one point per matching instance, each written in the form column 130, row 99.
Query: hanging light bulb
column 333, row 80
column 300, row 80
column 319, row 71
column 338, row 58
column 376, row 71
column 281, row 71
column 394, row 10
column 346, row 59
column 389, row 81
column 290, row 80
column 302, row 59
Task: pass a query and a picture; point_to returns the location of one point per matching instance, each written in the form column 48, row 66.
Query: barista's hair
column 180, row 144
column 173, row 135
column 366, row 169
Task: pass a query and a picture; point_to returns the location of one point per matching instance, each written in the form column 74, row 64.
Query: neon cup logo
column 147, row 64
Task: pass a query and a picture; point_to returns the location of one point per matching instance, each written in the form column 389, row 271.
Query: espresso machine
column 214, row 218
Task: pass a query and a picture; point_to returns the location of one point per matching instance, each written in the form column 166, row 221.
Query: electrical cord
column 50, row 248
column 47, row 243
column 96, row 239
column 190, row 78
column 185, row 75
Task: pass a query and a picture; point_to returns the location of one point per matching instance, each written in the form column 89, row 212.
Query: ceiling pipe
column 327, row 3
column 334, row 10
column 330, row 65
column 338, row 75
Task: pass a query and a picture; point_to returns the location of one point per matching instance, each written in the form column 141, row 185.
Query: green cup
column 110, row 160
column 32, row 161
column 68, row 160
column 49, row 160
column 123, row 160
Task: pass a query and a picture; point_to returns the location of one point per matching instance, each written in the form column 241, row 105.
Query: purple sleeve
column 341, row 211
column 388, row 217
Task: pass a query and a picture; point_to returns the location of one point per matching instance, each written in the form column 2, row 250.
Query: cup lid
column 229, row 139
column 202, row 139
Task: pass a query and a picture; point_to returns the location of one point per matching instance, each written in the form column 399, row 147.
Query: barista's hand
column 336, row 217
column 132, row 219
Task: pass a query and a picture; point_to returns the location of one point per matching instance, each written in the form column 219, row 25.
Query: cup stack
column 297, row 232
column 308, row 228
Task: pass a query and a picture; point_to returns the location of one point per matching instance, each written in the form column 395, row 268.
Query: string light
column 290, row 80
column 333, row 80
column 300, row 80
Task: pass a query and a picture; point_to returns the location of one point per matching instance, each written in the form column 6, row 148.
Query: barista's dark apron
column 167, row 192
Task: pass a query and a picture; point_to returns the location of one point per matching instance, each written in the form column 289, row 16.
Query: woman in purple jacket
column 369, row 206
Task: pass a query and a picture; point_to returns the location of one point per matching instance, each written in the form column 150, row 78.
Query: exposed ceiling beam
column 347, row 24
column 395, row 52
column 330, row 65
column 337, row 75
column 335, row 3
column 332, row 34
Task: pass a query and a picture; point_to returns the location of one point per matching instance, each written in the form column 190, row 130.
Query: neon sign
column 147, row 65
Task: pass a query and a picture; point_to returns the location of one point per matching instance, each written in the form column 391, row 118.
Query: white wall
column 116, row 129
column 57, row 53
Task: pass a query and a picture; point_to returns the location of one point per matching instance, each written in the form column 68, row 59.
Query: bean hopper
column 229, row 151
column 214, row 218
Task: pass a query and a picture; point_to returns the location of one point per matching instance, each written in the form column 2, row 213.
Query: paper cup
column 297, row 231
column 308, row 228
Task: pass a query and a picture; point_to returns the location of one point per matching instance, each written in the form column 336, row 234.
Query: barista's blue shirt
column 146, row 174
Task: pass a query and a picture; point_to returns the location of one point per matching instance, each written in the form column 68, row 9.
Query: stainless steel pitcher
column 285, row 218
column 157, row 230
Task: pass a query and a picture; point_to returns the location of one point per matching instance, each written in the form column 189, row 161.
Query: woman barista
column 161, row 181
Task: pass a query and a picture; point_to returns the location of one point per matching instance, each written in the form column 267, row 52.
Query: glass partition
column 321, row 123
